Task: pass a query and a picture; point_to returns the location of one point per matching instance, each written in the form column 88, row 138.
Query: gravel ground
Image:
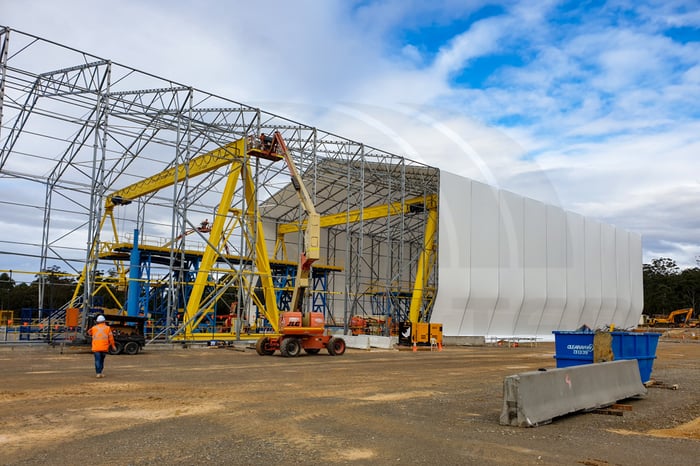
column 223, row 406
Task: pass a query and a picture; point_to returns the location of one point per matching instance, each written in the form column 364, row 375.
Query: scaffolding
column 76, row 131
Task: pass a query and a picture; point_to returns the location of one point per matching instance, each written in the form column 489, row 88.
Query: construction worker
column 204, row 227
column 102, row 341
column 266, row 142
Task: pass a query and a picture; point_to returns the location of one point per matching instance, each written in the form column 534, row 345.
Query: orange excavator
column 297, row 330
column 677, row 318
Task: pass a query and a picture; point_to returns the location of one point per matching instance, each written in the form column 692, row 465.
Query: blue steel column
column 132, row 302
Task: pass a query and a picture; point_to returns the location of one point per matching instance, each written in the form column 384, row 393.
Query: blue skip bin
column 576, row 348
column 639, row 346
column 573, row 348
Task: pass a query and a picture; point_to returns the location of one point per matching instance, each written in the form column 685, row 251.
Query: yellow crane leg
column 262, row 259
column 211, row 253
column 424, row 266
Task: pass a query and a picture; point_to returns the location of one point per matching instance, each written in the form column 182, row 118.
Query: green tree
column 667, row 288
column 59, row 286
column 24, row 295
column 689, row 288
column 663, row 266
column 658, row 285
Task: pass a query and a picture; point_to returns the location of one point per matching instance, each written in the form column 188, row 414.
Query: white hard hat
column 100, row 318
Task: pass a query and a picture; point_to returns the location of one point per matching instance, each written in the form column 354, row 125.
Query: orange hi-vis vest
column 102, row 338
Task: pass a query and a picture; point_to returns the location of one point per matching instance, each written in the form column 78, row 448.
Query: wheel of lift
column 290, row 347
column 336, row 346
column 131, row 347
column 120, row 348
column 262, row 346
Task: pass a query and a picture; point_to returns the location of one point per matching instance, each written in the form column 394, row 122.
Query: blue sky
column 594, row 106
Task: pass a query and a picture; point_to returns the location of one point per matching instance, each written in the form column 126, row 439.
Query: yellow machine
column 677, row 318
column 420, row 334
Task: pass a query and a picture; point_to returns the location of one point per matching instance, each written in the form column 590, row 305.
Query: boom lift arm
column 273, row 147
column 298, row 330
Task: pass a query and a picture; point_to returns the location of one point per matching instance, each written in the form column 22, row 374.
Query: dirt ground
column 224, row 406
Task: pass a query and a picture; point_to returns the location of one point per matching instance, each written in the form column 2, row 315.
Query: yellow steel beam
column 225, row 336
column 262, row 259
column 211, row 253
column 368, row 213
column 425, row 265
column 203, row 163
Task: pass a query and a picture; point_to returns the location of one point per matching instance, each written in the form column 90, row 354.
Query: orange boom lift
column 298, row 330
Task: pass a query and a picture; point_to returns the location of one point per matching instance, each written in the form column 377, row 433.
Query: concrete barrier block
column 356, row 341
column 534, row 398
column 368, row 341
column 463, row 340
column 382, row 342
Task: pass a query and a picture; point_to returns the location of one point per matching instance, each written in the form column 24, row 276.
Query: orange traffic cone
column 414, row 347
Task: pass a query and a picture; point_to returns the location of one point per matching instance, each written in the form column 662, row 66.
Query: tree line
column 667, row 287
column 58, row 291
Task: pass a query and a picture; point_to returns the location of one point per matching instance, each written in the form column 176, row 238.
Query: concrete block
column 368, row 341
column 382, row 342
column 534, row 398
column 463, row 340
column 356, row 341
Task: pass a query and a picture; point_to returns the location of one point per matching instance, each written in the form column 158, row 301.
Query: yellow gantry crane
column 234, row 155
column 231, row 153
column 237, row 156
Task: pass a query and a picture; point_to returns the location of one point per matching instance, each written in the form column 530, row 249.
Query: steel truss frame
column 75, row 128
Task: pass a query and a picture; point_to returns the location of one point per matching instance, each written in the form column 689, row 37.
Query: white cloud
column 481, row 39
column 675, row 13
column 412, row 54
